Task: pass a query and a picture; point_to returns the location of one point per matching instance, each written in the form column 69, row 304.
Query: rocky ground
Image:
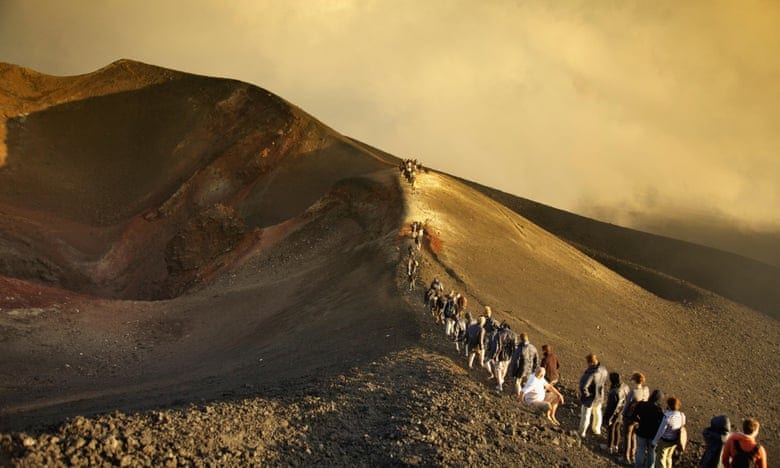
column 420, row 406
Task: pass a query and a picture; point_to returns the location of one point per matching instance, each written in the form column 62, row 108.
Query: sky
column 621, row 110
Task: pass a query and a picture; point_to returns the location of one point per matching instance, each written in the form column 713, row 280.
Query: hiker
column 437, row 286
column 490, row 327
column 460, row 301
column 742, row 448
column 639, row 392
column 491, row 345
column 490, row 322
column 613, row 413
column 433, row 304
column 506, row 340
column 592, row 391
column 412, row 280
column 525, row 360
column 441, row 301
column 540, row 394
column 475, row 334
column 449, row 315
column 412, row 264
column 459, row 334
column 714, row 437
column 418, row 238
column 669, row 432
column 649, row 415
column 550, row 364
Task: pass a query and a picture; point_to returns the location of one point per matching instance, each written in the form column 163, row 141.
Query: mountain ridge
column 275, row 282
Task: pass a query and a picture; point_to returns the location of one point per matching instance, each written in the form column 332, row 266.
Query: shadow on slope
column 137, row 194
column 316, row 302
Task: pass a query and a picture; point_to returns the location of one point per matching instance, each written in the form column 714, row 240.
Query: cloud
column 575, row 104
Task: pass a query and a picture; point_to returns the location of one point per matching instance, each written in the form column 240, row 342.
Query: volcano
column 194, row 269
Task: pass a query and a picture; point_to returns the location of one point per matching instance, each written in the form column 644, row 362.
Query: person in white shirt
column 665, row 440
column 539, row 394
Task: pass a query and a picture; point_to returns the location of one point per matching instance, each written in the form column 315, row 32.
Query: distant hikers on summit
column 409, row 169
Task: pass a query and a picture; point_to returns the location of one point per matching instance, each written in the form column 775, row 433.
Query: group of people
column 649, row 426
column 409, row 169
column 497, row 348
column 413, row 250
column 644, row 429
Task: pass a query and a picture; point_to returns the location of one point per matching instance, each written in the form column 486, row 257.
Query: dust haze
column 618, row 109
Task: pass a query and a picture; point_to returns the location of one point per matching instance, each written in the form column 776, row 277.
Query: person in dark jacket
column 550, row 364
column 475, row 336
column 490, row 327
column 524, row 362
column 649, row 415
column 638, row 392
column 714, row 438
column 459, row 332
column 613, row 413
column 592, row 393
column 506, row 341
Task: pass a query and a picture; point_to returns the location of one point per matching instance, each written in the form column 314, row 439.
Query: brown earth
column 196, row 272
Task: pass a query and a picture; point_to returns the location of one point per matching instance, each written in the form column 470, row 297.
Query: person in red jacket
column 744, row 444
column 550, row 364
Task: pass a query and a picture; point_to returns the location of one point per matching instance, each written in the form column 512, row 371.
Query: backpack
column 449, row 309
column 682, row 441
column 743, row 459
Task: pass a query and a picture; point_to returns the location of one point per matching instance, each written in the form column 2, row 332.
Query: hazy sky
column 610, row 107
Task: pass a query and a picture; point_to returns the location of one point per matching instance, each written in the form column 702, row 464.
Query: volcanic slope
column 286, row 333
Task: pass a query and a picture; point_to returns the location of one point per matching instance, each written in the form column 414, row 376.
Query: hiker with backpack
column 714, row 437
column 506, row 340
column 490, row 322
column 525, row 360
column 592, row 392
column 613, row 413
column 459, row 333
column 491, row 345
column 639, row 392
column 649, row 415
column 671, row 433
column 742, row 449
column 449, row 314
column 475, row 335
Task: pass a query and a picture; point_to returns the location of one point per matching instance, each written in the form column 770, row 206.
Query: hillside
column 196, row 271
column 667, row 267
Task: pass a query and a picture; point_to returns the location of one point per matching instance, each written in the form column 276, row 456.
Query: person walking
column 613, row 413
column 506, row 340
column 639, row 392
column 525, row 361
column 649, row 415
column 550, row 364
column 714, row 437
column 592, row 392
column 668, row 434
column 743, row 447
column 475, row 336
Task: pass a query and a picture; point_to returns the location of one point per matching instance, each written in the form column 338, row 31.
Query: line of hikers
column 644, row 429
column 409, row 169
column 640, row 431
